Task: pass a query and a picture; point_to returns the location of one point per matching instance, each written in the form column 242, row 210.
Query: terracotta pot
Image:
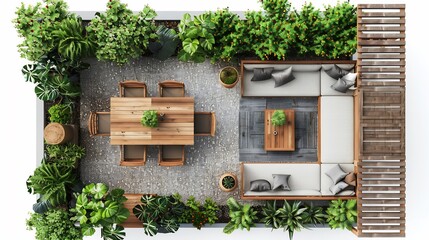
column 229, row 85
column 228, row 189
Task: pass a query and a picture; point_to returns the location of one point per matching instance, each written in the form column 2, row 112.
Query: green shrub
column 60, row 113
column 67, row 155
column 242, row 216
column 52, row 181
column 35, row 25
column 159, row 213
column 338, row 37
column 97, row 207
column 55, row 224
column 121, row 35
column 149, row 118
column 342, row 214
column 199, row 215
column 278, row 118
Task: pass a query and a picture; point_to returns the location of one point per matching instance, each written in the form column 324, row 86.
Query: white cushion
column 302, row 192
column 326, row 182
column 336, row 130
column 303, row 176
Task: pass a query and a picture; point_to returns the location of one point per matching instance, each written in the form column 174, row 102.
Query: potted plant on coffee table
column 228, row 182
column 278, row 119
column 228, row 77
column 149, row 118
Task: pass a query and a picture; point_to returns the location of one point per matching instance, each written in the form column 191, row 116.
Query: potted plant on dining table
column 278, row 119
column 150, row 118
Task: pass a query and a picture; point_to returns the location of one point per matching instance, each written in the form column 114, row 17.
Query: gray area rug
column 251, row 129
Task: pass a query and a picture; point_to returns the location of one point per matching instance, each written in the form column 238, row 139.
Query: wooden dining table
column 176, row 127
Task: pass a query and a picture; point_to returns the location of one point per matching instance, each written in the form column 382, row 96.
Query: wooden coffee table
column 280, row 138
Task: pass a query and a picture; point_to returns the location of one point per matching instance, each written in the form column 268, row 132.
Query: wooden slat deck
column 177, row 127
column 381, row 93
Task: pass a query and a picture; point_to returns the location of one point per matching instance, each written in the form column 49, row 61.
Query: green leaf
column 229, row 228
column 190, row 46
column 88, row 231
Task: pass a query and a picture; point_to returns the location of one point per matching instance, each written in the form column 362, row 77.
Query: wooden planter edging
column 381, row 93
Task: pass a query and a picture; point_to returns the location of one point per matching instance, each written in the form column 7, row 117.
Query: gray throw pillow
column 336, row 188
column 261, row 74
column 283, row 77
column 335, row 72
column 260, row 185
column 281, row 181
column 344, row 83
column 336, row 174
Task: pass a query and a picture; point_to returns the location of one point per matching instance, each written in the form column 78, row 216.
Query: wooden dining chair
column 132, row 88
column 99, row 124
column 133, row 155
column 171, row 155
column 171, row 88
column 204, row 124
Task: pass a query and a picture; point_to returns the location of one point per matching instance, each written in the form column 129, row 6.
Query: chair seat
column 202, row 123
column 172, row 92
column 134, row 92
column 132, row 152
column 172, row 152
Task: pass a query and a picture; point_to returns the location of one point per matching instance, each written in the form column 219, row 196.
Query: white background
column 18, row 125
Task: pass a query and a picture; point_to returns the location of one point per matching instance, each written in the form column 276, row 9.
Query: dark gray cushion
column 281, row 181
column 261, row 74
column 335, row 72
column 344, row 83
column 336, row 174
column 336, row 188
column 260, row 185
column 283, row 77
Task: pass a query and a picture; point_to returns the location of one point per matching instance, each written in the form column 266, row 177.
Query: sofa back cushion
column 302, row 176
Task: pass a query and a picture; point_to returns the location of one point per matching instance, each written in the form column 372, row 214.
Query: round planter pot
column 228, row 189
column 232, row 84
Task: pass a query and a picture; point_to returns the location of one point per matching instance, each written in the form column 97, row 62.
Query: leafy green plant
column 67, row 155
column 55, row 224
column 51, row 80
column 166, row 45
column 338, row 33
column 52, row 181
column 35, row 25
column 228, row 182
column 292, row 217
column 278, row 118
column 270, row 215
column 228, row 75
column 70, row 37
column 314, row 215
column 60, row 113
column 199, row 215
column 97, row 207
column 159, row 213
column 150, row 118
column 121, row 35
column 342, row 214
column 242, row 216
column 196, row 36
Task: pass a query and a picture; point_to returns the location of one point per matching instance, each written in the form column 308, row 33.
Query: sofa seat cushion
column 336, row 129
column 299, row 192
column 326, row 182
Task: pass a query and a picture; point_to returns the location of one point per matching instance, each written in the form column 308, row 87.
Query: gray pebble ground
column 206, row 160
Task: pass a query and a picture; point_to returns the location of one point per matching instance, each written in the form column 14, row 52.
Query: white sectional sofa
column 310, row 79
column 307, row 180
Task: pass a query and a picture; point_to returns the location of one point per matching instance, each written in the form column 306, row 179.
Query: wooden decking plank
column 381, row 42
column 382, row 227
column 378, row 235
column 382, row 14
column 382, row 7
column 387, row 221
column 381, row 36
column 380, row 21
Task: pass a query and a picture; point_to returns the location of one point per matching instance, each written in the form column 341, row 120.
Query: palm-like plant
column 71, row 39
column 271, row 215
column 52, row 181
column 292, row 217
column 342, row 214
column 242, row 216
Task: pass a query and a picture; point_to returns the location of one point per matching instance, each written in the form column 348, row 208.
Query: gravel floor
column 206, row 160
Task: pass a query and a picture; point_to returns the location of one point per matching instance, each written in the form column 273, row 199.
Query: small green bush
column 60, row 113
column 342, row 214
column 149, row 118
column 55, row 224
column 67, row 155
column 242, row 216
column 228, row 75
column 278, row 118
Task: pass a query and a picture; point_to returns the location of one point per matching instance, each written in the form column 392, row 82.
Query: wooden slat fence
column 381, row 93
